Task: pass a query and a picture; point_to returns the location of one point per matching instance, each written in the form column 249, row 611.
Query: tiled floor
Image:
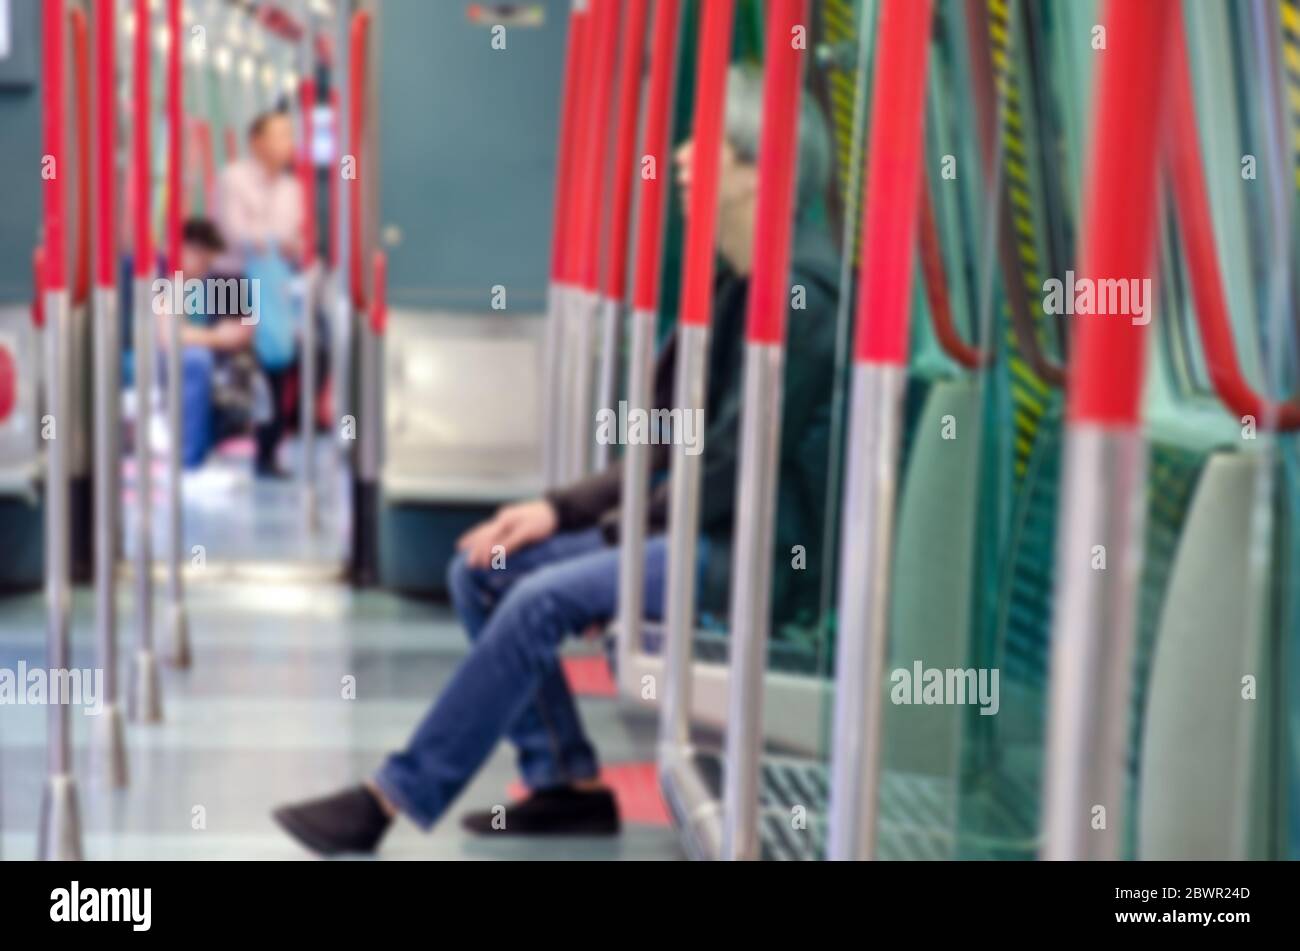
column 261, row 718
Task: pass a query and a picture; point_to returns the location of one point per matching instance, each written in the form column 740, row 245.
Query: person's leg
column 270, row 430
column 196, row 405
column 552, row 747
column 517, row 649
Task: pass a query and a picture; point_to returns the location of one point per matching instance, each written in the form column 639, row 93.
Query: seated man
column 561, row 570
column 207, row 340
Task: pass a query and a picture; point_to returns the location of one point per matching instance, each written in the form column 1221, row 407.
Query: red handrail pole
column 53, row 131
column 894, row 175
column 307, row 172
column 175, row 135
column 631, row 56
column 604, row 40
column 645, row 306
column 760, row 440
column 777, row 161
column 1196, row 227
column 571, row 100
column 81, row 93
column 357, row 66
column 1102, row 503
column 141, row 157
column 658, row 121
column 576, row 167
column 105, row 143
column 706, row 156
column 1122, row 212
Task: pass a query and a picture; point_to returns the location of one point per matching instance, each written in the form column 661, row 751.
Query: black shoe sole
column 308, row 837
column 577, row 830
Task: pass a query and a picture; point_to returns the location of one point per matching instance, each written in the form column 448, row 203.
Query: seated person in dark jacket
column 560, row 575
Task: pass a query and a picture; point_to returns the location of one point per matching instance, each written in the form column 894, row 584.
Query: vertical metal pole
column 645, row 297
column 611, row 336
column 144, row 702
column 692, row 364
column 683, row 541
column 580, row 359
column 311, row 277
column 760, row 436
column 60, row 828
column 554, row 379
column 614, row 288
column 584, row 314
column 362, row 139
column 178, row 632
column 889, row 221
column 109, row 736
column 1102, row 503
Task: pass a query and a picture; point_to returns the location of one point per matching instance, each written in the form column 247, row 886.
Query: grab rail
column 80, row 41
column 890, row 217
column 1102, row 501
column 358, row 67
column 645, row 313
column 1196, row 228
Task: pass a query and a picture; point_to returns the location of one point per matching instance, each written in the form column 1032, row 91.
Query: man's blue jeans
column 196, row 405
column 511, row 683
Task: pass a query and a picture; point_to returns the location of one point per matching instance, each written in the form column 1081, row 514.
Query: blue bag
column 273, row 338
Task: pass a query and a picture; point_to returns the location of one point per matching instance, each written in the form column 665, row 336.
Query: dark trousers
column 272, row 431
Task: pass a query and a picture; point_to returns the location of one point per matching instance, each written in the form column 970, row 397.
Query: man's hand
column 513, row 527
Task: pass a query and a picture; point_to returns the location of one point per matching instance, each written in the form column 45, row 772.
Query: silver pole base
column 60, row 833
column 144, row 703
column 108, row 758
column 178, row 638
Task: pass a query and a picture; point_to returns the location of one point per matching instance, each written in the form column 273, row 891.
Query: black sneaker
column 348, row 821
column 563, row 811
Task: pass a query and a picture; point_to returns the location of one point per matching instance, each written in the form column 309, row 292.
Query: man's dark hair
column 203, row 233
column 262, row 120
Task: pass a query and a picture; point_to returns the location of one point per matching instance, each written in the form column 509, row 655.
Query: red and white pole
column 110, row 743
column 1103, row 495
column 144, row 702
column 696, row 312
column 890, row 216
column 60, row 828
column 178, row 635
column 653, row 167
column 760, row 434
column 613, row 290
column 560, row 289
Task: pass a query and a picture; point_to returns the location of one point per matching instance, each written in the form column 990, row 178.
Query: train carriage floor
column 299, row 684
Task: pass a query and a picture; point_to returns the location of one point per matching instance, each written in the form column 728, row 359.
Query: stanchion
column 60, row 825
column 645, row 313
column 365, row 502
column 571, row 98
column 310, row 286
column 890, row 215
column 144, row 702
column 625, row 167
column 760, row 434
column 585, row 300
column 109, row 736
column 1095, row 614
column 178, row 629
column 681, row 782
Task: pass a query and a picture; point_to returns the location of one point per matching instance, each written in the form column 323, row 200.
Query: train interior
column 497, row 238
